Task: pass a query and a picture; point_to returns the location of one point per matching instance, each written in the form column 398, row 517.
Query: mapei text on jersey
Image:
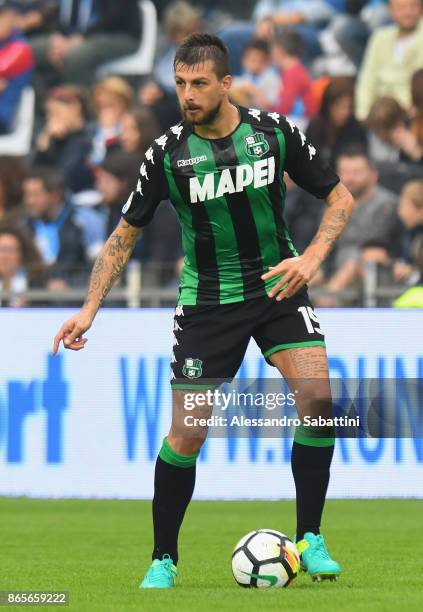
column 259, row 174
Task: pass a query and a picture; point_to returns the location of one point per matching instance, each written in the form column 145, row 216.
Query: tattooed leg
column 306, row 371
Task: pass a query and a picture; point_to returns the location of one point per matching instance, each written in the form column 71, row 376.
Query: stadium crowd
column 349, row 73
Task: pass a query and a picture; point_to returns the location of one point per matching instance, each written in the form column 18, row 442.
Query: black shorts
column 209, row 342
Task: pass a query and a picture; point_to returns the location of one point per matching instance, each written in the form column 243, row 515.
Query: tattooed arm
column 340, row 206
column 297, row 271
column 108, row 266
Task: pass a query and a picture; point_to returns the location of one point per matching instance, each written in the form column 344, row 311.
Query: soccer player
column 222, row 167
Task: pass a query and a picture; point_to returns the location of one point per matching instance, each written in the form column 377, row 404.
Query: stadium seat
column 18, row 142
column 142, row 61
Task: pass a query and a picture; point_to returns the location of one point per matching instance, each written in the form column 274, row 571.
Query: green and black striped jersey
column 229, row 195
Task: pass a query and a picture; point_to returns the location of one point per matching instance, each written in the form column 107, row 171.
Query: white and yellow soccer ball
column 265, row 558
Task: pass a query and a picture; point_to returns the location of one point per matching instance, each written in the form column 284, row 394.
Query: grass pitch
column 99, row 550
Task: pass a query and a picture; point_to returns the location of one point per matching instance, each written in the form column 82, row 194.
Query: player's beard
column 207, row 119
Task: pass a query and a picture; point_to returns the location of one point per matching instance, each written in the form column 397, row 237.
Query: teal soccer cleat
column 315, row 558
column 160, row 574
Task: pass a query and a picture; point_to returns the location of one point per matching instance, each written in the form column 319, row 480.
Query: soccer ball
column 265, row 558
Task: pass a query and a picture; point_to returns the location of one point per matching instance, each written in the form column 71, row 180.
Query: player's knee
column 186, row 445
column 315, row 401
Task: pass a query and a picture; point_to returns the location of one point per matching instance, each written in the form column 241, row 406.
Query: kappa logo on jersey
column 191, row 161
column 192, row 368
column 255, row 112
column 256, row 145
column 128, row 204
column 177, row 130
column 311, row 150
column 259, row 174
column 149, row 155
column 162, row 141
column 274, row 116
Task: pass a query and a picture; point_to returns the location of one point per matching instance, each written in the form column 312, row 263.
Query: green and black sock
column 312, row 453
column 174, row 482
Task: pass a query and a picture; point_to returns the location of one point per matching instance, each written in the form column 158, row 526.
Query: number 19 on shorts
column 310, row 319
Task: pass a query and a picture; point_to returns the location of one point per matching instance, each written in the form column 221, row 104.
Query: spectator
column 308, row 17
column 392, row 55
column 160, row 246
column 410, row 212
column 417, row 106
column 335, row 127
column 51, row 221
column 11, row 177
column 16, row 63
column 413, row 297
column 374, row 221
column 114, row 178
column 87, row 35
column 352, row 29
column 64, row 142
column 158, row 93
column 258, row 72
column 179, row 20
column 303, row 213
column 139, row 129
column 111, row 99
column 296, row 94
column 21, row 267
column 391, row 139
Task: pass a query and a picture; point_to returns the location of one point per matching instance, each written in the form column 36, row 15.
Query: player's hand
column 295, row 272
column 72, row 332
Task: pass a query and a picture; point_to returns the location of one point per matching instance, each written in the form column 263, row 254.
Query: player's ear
column 226, row 82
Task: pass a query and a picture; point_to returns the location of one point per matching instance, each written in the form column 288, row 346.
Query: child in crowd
column 413, row 296
column 295, row 95
column 410, row 211
column 258, row 73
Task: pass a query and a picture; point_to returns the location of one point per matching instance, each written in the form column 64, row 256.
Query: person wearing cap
column 16, row 64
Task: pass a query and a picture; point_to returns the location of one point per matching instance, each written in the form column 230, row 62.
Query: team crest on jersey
column 256, row 145
column 192, row 367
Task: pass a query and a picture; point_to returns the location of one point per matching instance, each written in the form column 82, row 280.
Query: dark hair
column 417, row 89
column 355, row 150
column 50, row 178
column 198, row 48
column 417, row 100
column 258, row 44
column 385, row 114
column 290, row 41
column 339, row 87
column 147, row 126
column 69, row 94
column 31, row 258
column 123, row 166
column 11, row 177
